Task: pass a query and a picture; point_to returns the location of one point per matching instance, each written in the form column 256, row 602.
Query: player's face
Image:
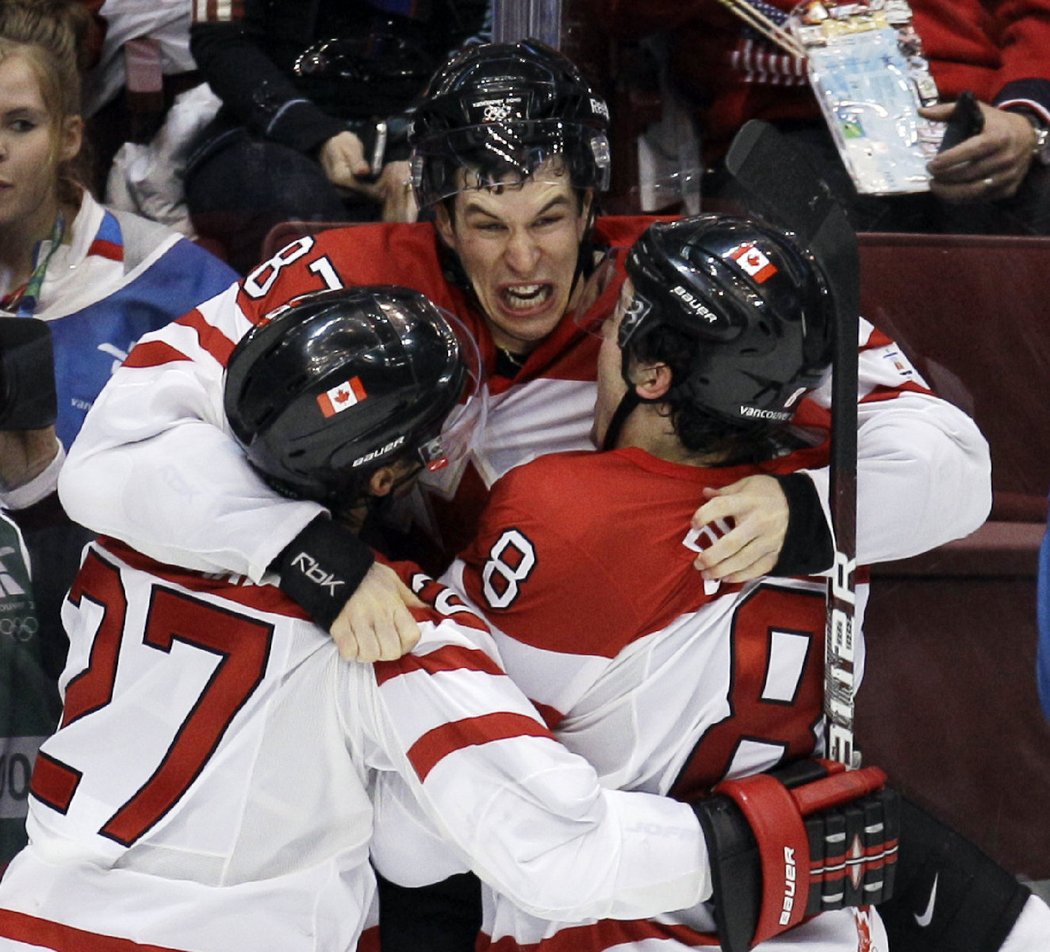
column 519, row 245
column 611, row 385
column 32, row 144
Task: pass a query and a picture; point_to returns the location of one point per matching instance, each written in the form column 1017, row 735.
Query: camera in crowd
column 27, row 375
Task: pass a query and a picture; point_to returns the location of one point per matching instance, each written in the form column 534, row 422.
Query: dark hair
column 698, row 429
column 449, row 202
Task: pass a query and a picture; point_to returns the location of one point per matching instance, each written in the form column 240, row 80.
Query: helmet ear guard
column 338, row 383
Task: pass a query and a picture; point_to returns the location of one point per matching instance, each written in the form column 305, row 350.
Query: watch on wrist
column 1041, row 148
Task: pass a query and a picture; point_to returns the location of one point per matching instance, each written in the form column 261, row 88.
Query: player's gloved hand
column 810, row 839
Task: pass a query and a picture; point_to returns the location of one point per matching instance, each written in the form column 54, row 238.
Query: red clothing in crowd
column 997, row 49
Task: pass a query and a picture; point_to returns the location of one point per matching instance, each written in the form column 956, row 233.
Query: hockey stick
column 778, row 184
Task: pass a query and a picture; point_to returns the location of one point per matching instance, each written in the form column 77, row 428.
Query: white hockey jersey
column 665, row 683
column 210, row 786
column 923, row 468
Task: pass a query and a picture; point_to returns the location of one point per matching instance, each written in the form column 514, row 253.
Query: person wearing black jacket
column 313, row 119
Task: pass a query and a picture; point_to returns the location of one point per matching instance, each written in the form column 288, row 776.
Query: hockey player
column 511, row 157
column 663, row 684
column 211, row 785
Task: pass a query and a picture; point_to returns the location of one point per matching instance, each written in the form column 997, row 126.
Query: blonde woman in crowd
column 99, row 280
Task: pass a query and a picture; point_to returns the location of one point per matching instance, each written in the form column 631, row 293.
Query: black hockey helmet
column 501, row 111
column 756, row 302
column 337, row 383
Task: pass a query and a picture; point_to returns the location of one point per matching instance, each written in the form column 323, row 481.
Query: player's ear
column 651, row 381
column 382, row 481
column 443, row 224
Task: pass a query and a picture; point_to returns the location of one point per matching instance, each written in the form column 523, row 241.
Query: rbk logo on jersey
column 754, row 262
column 348, row 394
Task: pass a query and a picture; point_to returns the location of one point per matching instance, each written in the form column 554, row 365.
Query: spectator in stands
column 997, row 182
column 98, row 279
column 312, row 125
column 141, row 61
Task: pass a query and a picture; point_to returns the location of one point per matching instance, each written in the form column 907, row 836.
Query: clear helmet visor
column 463, row 428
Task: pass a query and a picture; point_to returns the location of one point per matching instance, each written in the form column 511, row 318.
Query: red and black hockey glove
column 806, row 839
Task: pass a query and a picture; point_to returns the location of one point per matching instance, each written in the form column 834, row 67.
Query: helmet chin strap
column 586, row 249
column 627, row 405
column 625, row 408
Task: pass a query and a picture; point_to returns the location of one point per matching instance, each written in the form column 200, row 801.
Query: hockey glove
column 806, row 839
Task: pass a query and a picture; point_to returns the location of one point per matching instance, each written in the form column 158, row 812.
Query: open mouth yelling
column 526, row 298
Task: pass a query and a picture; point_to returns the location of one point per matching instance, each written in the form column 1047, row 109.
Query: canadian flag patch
column 348, row 394
column 753, row 261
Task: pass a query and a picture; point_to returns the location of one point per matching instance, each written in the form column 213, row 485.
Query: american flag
column 775, row 14
column 759, row 60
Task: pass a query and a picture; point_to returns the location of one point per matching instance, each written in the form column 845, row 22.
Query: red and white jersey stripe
column 156, row 465
column 216, row 755
column 663, row 683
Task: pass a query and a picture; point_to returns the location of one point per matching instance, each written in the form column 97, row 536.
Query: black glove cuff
column 735, row 870
column 322, row 567
column 808, row 547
